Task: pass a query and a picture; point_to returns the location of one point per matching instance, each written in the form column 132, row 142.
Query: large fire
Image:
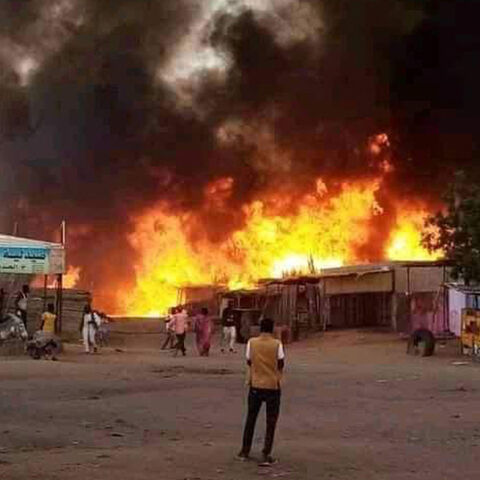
column 406, row 240
column 282, row 233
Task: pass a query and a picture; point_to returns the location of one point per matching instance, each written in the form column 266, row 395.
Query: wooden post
column 394, row 305
column 45, row 281
column 295, row 299
column 59, row 291
column 446, row 310
column 59, row 303
column 409, row 301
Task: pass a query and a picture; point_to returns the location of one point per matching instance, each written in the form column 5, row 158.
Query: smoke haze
column 109, row 106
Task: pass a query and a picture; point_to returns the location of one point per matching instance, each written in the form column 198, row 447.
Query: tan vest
column 264, row 371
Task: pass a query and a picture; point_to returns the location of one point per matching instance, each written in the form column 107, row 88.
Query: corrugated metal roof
column 473, row 290
column 350, row 271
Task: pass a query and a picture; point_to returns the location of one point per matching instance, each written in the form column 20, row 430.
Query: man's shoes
column 267, row 461
column 242, row 456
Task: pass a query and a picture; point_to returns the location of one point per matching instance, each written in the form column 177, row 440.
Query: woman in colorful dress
column 203, row 331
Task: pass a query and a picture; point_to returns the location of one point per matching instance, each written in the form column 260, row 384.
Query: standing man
column 89, row 326
column 229, row 330
column 21, row 303
column 266, row 360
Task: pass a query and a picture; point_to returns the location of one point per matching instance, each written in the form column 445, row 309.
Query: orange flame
column 70, row 279
column 281, row 234
column 406, row 239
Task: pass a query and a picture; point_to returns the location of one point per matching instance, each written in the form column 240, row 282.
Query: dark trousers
column 256, row 397
column 181, row 343
column 169, row 340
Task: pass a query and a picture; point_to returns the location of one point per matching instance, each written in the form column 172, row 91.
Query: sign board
column 32, row 260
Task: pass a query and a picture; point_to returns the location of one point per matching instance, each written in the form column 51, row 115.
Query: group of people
column 45, row 342
column 264, row 354
column 179, row 322
column 92, row 326
column 265, row 357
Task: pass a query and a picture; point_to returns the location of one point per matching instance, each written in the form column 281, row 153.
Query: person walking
column 229, row 330
column 88, row 326
column 170, row 339
column 203, row 331
column 179, row 324
column 266, row 360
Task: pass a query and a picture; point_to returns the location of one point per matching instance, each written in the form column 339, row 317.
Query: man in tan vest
column 266, row 360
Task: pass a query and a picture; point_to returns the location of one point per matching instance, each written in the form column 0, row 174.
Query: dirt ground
column 354, row 407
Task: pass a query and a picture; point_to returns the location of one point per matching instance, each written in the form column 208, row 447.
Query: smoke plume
column 110, row 106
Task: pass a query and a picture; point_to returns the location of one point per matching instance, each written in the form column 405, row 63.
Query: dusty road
column 354, row 407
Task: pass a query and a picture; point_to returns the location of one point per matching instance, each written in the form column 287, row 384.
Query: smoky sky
column 92, row 129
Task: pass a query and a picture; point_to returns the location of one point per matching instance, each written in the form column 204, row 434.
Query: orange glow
column 282, row 234
column 70, row 279
column 406, row 239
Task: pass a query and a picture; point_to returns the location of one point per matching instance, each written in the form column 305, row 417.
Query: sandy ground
column 354, row 407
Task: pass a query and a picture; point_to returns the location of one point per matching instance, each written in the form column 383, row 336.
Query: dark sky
column 434, row 93
column 98, row 131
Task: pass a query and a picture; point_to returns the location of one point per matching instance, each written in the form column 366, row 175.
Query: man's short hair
column 266, row 325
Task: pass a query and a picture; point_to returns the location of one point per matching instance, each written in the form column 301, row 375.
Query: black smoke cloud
column 98, row 133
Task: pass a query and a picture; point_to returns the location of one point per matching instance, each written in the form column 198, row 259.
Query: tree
column 456, row 230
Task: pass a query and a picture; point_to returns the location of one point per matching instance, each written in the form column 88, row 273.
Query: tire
column 422, row 343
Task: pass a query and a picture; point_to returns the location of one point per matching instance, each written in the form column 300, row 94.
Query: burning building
column 191, row 143
column 400, row 296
